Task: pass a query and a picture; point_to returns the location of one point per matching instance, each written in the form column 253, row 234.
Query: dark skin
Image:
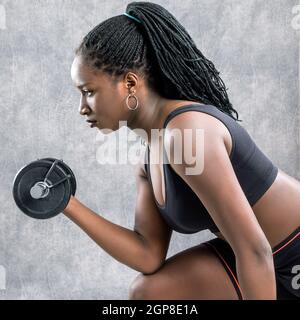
column 107, row 100
column 144, row 249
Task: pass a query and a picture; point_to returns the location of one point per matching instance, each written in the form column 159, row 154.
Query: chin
column 104, row 130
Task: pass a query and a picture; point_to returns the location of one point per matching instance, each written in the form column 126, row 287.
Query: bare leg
column 195, row 273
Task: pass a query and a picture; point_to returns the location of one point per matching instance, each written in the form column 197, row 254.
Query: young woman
column 143, row 67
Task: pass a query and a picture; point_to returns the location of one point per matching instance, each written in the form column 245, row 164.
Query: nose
column 84, row 109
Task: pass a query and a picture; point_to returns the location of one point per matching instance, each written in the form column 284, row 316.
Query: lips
column 92, row 123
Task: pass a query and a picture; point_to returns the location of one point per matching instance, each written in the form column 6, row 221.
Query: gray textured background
column 252, row 44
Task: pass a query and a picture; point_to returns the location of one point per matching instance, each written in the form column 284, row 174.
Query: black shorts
column 286, row 257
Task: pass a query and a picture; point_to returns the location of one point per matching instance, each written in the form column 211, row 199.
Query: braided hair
column 156, row 45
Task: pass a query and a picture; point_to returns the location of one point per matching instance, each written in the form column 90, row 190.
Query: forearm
column 256, row 277
column 125, row 245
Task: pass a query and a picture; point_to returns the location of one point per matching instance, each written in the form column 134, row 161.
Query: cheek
column 111, row 103
column 104, row 107
column 97, row 102
column 114, row 104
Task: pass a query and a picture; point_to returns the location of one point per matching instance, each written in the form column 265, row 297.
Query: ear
column 131, row 81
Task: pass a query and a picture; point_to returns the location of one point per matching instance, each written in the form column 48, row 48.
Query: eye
column 87, row 92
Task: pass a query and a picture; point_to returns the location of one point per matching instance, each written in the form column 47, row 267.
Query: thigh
column 195, row 273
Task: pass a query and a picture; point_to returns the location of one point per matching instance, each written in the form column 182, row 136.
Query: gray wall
column 251, row 42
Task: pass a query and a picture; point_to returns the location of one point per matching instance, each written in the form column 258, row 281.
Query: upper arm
column 217, row 186
column 148, row 221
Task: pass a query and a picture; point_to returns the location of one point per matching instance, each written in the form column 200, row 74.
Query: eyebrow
column 82, row 85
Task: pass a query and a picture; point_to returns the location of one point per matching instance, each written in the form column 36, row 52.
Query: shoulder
column 192, row 129
column 193, row 119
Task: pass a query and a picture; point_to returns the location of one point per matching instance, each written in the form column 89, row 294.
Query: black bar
column 146, row 309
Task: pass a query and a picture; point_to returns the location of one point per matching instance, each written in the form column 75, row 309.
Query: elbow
column 152, row 266
column 264, row 252
column 260, row 253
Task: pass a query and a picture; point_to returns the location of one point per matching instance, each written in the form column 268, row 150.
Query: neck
column 149, row 115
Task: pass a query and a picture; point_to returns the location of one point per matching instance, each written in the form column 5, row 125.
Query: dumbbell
column 42, row 189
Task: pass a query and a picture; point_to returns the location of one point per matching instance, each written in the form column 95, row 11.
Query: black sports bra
column 183, row 210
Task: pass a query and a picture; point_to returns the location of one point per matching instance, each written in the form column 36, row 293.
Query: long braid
column 161, row 48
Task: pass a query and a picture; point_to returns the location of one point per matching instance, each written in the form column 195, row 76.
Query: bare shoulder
column 198, row 120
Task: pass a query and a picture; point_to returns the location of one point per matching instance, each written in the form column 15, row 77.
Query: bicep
column 148, row 222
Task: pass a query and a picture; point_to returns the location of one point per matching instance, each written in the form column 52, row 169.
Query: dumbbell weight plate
column 57, row 198
column 67, row 169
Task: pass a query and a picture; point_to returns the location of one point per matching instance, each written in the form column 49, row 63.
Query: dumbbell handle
column 60, row 181
column 51, row 169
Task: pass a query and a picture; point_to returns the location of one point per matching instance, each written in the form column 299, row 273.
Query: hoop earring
column 137, row 102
